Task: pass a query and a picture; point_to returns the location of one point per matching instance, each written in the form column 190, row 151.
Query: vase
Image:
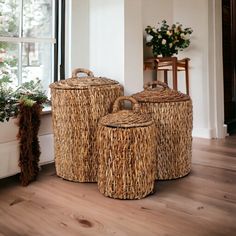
column 167, row 54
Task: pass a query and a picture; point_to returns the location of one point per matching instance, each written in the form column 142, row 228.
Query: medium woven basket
column 172, row 113
column 126, row 152
column 77, row 105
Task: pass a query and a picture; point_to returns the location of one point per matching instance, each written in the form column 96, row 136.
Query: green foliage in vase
column 167, row 40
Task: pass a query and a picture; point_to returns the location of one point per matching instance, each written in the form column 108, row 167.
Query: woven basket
column 172, row 113
column 77, row 105
column 126, row 150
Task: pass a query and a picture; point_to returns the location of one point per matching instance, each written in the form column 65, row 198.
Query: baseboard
column 203, row 133
column 210, row 133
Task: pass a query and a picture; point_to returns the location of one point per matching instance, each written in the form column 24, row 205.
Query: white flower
column 154, row 30
column 170, row 44
column 187, row 36
column 159, row 36
column 168, row 33
column 163, row 41
column 149, row 38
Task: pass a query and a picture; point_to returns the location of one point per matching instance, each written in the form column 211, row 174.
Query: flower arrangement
column 167, row 40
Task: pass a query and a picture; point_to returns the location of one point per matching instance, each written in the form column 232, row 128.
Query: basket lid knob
column 126, row 118
column 135, row 105
column 83, row 82
column 159, row 92
column 76, row 71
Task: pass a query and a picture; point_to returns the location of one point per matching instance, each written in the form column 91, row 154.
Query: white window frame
column 20, row 39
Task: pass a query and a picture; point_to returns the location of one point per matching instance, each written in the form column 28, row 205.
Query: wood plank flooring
column 201, row 204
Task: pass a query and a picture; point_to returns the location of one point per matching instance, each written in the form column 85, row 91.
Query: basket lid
column 159, row 92
column 126, row 118
column 84, row 82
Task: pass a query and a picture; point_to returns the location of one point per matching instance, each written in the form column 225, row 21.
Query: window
column 28, row 40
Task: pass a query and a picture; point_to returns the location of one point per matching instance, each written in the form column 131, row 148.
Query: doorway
column 229, row 63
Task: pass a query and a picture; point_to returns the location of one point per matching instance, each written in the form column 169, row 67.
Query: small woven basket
column 172, row 113
column 126, row 152
column 77, row 106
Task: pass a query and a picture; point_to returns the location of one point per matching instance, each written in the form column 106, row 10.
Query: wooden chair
column 167, row 64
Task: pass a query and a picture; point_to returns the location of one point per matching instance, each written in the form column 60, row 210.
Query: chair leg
column 174, row 68
column 187, row 77
column 166, row 76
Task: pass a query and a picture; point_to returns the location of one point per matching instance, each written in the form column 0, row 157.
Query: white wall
column 198, row 53
column 133, row 43
column 77, row 35
column 206, row 67
column 115, row 49
column 68, row 38
column 154, row 11
column 206, row 77
column 107, row 38
column 115, row 41
column 80, row 34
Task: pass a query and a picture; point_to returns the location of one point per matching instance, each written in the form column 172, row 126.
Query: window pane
column 9, row 62
column 9, row 18
column 37, row 18
column 37, row 63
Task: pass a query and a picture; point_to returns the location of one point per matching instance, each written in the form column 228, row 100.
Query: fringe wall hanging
column 29, row 122
column 26, row 103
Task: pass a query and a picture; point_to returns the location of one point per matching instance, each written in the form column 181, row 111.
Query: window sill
column 47, row 110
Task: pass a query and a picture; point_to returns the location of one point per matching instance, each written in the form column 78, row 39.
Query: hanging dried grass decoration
column 77, row 105
column 29, row 123
column 126, row 152
column 172, row 113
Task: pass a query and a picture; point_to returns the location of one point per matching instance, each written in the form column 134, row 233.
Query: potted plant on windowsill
column 8, row 102
column 25, row 103
column 167, row 40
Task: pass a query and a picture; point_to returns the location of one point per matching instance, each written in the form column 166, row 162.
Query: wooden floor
column 202, row 204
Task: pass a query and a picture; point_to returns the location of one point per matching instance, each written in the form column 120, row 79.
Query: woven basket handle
column 154, row 84
column 81, row 70
column 135, row 105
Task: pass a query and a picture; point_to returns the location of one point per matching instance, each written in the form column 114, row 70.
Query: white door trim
column 216, row 82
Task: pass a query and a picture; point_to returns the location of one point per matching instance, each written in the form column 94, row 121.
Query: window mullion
column 27, row 40
column 20, row 64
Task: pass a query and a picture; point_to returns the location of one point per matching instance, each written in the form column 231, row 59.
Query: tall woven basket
column 172, row 113
column 77, row 105
column 126, row 151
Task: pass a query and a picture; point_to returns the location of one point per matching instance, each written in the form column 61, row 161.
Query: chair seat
column 169, row 64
